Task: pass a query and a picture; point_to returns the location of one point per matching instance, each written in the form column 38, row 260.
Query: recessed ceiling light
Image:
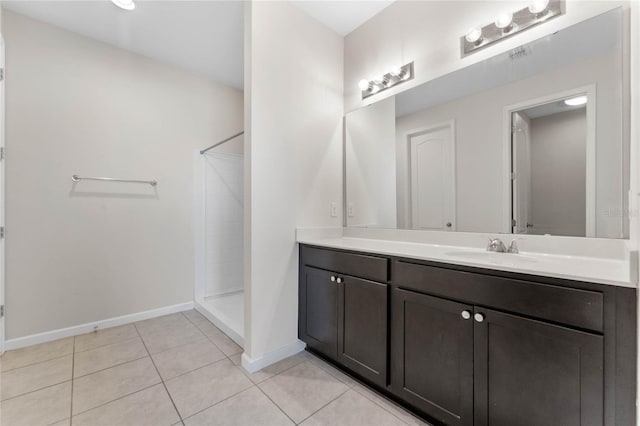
column 577, row 101
column 124, row 4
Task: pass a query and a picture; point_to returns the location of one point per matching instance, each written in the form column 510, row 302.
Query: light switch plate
column 334, row 210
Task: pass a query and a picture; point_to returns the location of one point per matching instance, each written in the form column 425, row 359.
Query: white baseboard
column 221, row 323
column 253, row 365
column 48, row 336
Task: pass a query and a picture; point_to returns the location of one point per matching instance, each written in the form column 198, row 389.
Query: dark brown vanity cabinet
column 345, row 317
column 466, row 346
column 432, row 355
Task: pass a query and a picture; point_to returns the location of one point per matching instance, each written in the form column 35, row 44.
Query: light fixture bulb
column 474, row 35
column 396, row 71
column 504, row 21
column 538, row 6
column 363, row 85
column 379, row 79
column 124, row 4
column 577, row 101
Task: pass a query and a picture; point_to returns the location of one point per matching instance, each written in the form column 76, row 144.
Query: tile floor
column 177, row 369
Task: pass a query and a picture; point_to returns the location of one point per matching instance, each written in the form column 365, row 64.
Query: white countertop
column 612, row 271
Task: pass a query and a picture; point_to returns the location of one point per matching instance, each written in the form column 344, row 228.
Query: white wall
column 370, row 171
column 224, row 225
column 293, row 161
column 94, row 250
column 479, row 167
column 558, row 173
column 428, row 33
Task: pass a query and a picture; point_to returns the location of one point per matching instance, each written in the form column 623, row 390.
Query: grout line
column 111, row 366
column 221, row 401
column 118, row 342
column 211, row 340
column 116, row 399
column 35, row 390
column 159, row 375
column 276, row 404
column 36, row 363
column 310, row 415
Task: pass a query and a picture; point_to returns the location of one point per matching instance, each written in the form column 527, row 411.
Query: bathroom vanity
column 464, row 345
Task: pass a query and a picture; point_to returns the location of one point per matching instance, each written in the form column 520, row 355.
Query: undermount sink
column 493, row 257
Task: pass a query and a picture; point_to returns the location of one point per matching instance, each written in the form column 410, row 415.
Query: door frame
column 451, row 124
column 590, row 205
column 2, row 198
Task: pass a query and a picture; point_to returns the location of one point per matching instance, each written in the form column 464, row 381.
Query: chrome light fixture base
column 389, row 80
column 522, row 20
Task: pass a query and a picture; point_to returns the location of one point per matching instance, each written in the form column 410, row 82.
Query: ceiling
column 204, row 37
column 342, row 16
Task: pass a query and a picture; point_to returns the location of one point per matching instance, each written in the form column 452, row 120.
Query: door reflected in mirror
column 553, row 175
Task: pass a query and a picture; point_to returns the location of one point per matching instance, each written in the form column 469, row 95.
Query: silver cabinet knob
column 478, row 317
column 466, row 314
column 339, row 280
column 333, row 279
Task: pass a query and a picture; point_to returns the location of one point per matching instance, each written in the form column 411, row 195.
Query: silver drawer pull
column 466, row 314
column 333, row 279
column 478, row 317
column 339, row 280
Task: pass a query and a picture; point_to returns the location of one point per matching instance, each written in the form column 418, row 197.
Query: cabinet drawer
column 569, row 306
column 357, row 265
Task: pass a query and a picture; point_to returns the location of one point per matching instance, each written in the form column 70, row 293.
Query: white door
column 432, row 159
column 521, row 177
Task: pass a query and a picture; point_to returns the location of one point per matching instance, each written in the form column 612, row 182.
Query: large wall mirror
column 531, row 141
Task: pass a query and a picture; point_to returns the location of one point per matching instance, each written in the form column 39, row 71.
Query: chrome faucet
column 513, row 247
column 496, row 245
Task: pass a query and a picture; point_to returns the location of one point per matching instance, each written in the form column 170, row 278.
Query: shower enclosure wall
column 219, row 289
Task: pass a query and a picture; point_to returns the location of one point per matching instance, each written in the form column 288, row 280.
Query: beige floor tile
column 332, row 370
column 104, row 386
column 164, row 334
column 159, row 323
column 65, row 422
column 352, row 409
column 37, row 353
column 180, row 360
column 303, row 389
column 151, row 407
column 388, row 405
column 221, row 340
column 107, row 336
column 107, row 356
column 236, row 358
column 250, row 407
column 42, row 407
column 202, row 388
column 277, row 368
column 196, row 317
column 33, row 377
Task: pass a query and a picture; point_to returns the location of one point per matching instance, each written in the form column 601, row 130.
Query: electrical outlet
column 334, row 210
column 351, row 210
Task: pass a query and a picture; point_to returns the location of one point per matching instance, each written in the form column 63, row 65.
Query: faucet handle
column 513, row 247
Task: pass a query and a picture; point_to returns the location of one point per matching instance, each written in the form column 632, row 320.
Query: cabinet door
column 432, row 355
column 362, row 328
column 531, row 373
column 319, row 310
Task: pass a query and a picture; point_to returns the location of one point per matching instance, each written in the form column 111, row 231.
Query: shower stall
column 219, row 198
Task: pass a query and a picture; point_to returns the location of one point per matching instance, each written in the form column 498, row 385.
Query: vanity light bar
column 508, row 24
column 386, row 81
